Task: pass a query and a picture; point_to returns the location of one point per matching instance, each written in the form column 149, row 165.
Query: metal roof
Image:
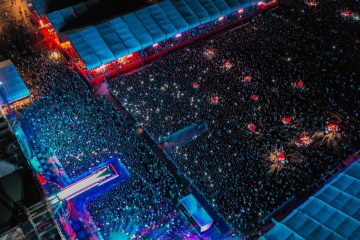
column 332, row 213
column 108, row 41
column 12, row 86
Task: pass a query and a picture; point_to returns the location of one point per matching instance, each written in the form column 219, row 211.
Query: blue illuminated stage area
column 69, row 202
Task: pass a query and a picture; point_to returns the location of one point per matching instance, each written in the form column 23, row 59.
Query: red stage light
column 228, row 64
column 211, row 51
column 214, row 100
column 196, row 84
column 247, row 78
column 251, row 127
column 254, row 97
column 332, row 127
column 312, row 3
column 300, row 83
column 280, row 156
column 346, row 13
column 287, row 120
column 305, row 139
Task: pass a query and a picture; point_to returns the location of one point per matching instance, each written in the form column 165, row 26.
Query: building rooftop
column 332, row 213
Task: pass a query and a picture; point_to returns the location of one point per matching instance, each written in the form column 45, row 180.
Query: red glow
column 251, row 127
column 247, row 78
column 280, row 156
column 346, row 13
column 228, row 64
column 211, row 51
column 300, row 83
column 287, row 120
column 196, row 84
column 41, row 179
column 261, row 5
column 214, row 99
column 254, row 97
column 305, row 139
column 332, row 127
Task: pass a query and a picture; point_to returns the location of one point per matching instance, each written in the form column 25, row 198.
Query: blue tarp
column 332, row 213
column 106, row 42
column 12, row 87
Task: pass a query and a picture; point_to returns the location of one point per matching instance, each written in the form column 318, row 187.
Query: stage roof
column 108, row 41
column 12, row 87
column 332, row 213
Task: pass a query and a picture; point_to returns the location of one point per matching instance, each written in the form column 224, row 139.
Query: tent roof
column 332, row 213
column 12, row 87
column 108, row 41
column 196, row 210
column 45, row 7
column 62, row 17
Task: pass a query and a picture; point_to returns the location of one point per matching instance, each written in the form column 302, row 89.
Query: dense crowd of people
column 260, row 88
column 84, row 131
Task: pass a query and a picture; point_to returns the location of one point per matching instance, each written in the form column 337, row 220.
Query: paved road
column 14, row 8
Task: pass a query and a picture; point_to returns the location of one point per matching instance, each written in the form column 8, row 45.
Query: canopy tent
column 332, row 213
column 64, row 15
column 12, row 87
column 40, row 6
column 196, row 213
column 108, row 41
column 61, row 17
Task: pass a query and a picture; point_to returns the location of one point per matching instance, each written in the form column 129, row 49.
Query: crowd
column 260, row 88
column 141, row 205
column 84, row 131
